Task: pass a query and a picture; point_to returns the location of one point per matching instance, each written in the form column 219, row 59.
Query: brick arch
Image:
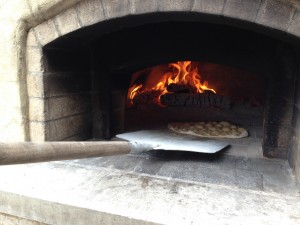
column 280, row 15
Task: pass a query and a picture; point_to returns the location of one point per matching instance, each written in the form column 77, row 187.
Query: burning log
column 146, row 97
column 180, row 88
column 204, row 100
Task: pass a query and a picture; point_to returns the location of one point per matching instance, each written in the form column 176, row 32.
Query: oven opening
column 147, row 76
column 192, row 91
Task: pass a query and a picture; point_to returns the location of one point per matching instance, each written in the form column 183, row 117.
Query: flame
column 159, row 77
column 133, row 91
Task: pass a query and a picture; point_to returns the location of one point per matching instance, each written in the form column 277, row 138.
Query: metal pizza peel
column 167, row 140
column 136, row 142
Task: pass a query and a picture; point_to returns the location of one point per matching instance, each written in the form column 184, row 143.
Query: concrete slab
column 156, row 187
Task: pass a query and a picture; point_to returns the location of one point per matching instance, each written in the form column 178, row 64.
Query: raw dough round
column 209, row 129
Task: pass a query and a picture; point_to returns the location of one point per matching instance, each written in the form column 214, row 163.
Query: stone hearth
column 156, row 187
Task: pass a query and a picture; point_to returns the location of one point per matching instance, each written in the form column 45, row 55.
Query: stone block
column 126, row 162
column 276, row 14
column 282, row 91
column 31, row 39
column 249, row 180
column 34, row 59
column 274, row 182
column 196, row 172
column 116, row 8
column 90, row 12
column 142, row 6
column 208, row 6
column 259, row 165
column 280, row 153
column 64, row 128
column 175, row 5
column 95, row 163
column 44, row 9
column 294, row 150
column 297, row 94
column 149, row 166
column 83, row 136
column 57, row 84
column 296, row 120
column 46, row 32
column 277, row 136
column 38, row 131
column 58, row 61
column 246, row 10
column 294, row 27
column 297, row 173
column 67, row 21
column 38, row 109
column 278, row 113
column 294, row 155
column 68, row 105
column 11, row 220
column 35, row 85
column 251, row 151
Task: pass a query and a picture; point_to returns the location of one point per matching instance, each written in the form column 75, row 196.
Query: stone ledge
column 6, row 219
column 82, row 192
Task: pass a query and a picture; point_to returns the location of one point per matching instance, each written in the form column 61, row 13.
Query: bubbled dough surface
column 209, row 129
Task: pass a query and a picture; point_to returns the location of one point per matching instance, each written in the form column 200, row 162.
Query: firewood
column 146, row 97
column 180, row 88
column 195, row 99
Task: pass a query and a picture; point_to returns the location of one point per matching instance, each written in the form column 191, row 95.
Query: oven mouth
column 259, row 73
column 190, row 91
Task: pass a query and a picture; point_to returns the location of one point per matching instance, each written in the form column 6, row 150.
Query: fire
column 160, row 77
column 133, row 91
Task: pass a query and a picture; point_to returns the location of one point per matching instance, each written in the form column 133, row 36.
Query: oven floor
column 238, row 186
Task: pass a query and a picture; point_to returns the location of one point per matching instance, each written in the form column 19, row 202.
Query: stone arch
column 276, row 17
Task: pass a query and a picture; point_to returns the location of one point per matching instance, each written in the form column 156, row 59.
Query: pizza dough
column 209, row 129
